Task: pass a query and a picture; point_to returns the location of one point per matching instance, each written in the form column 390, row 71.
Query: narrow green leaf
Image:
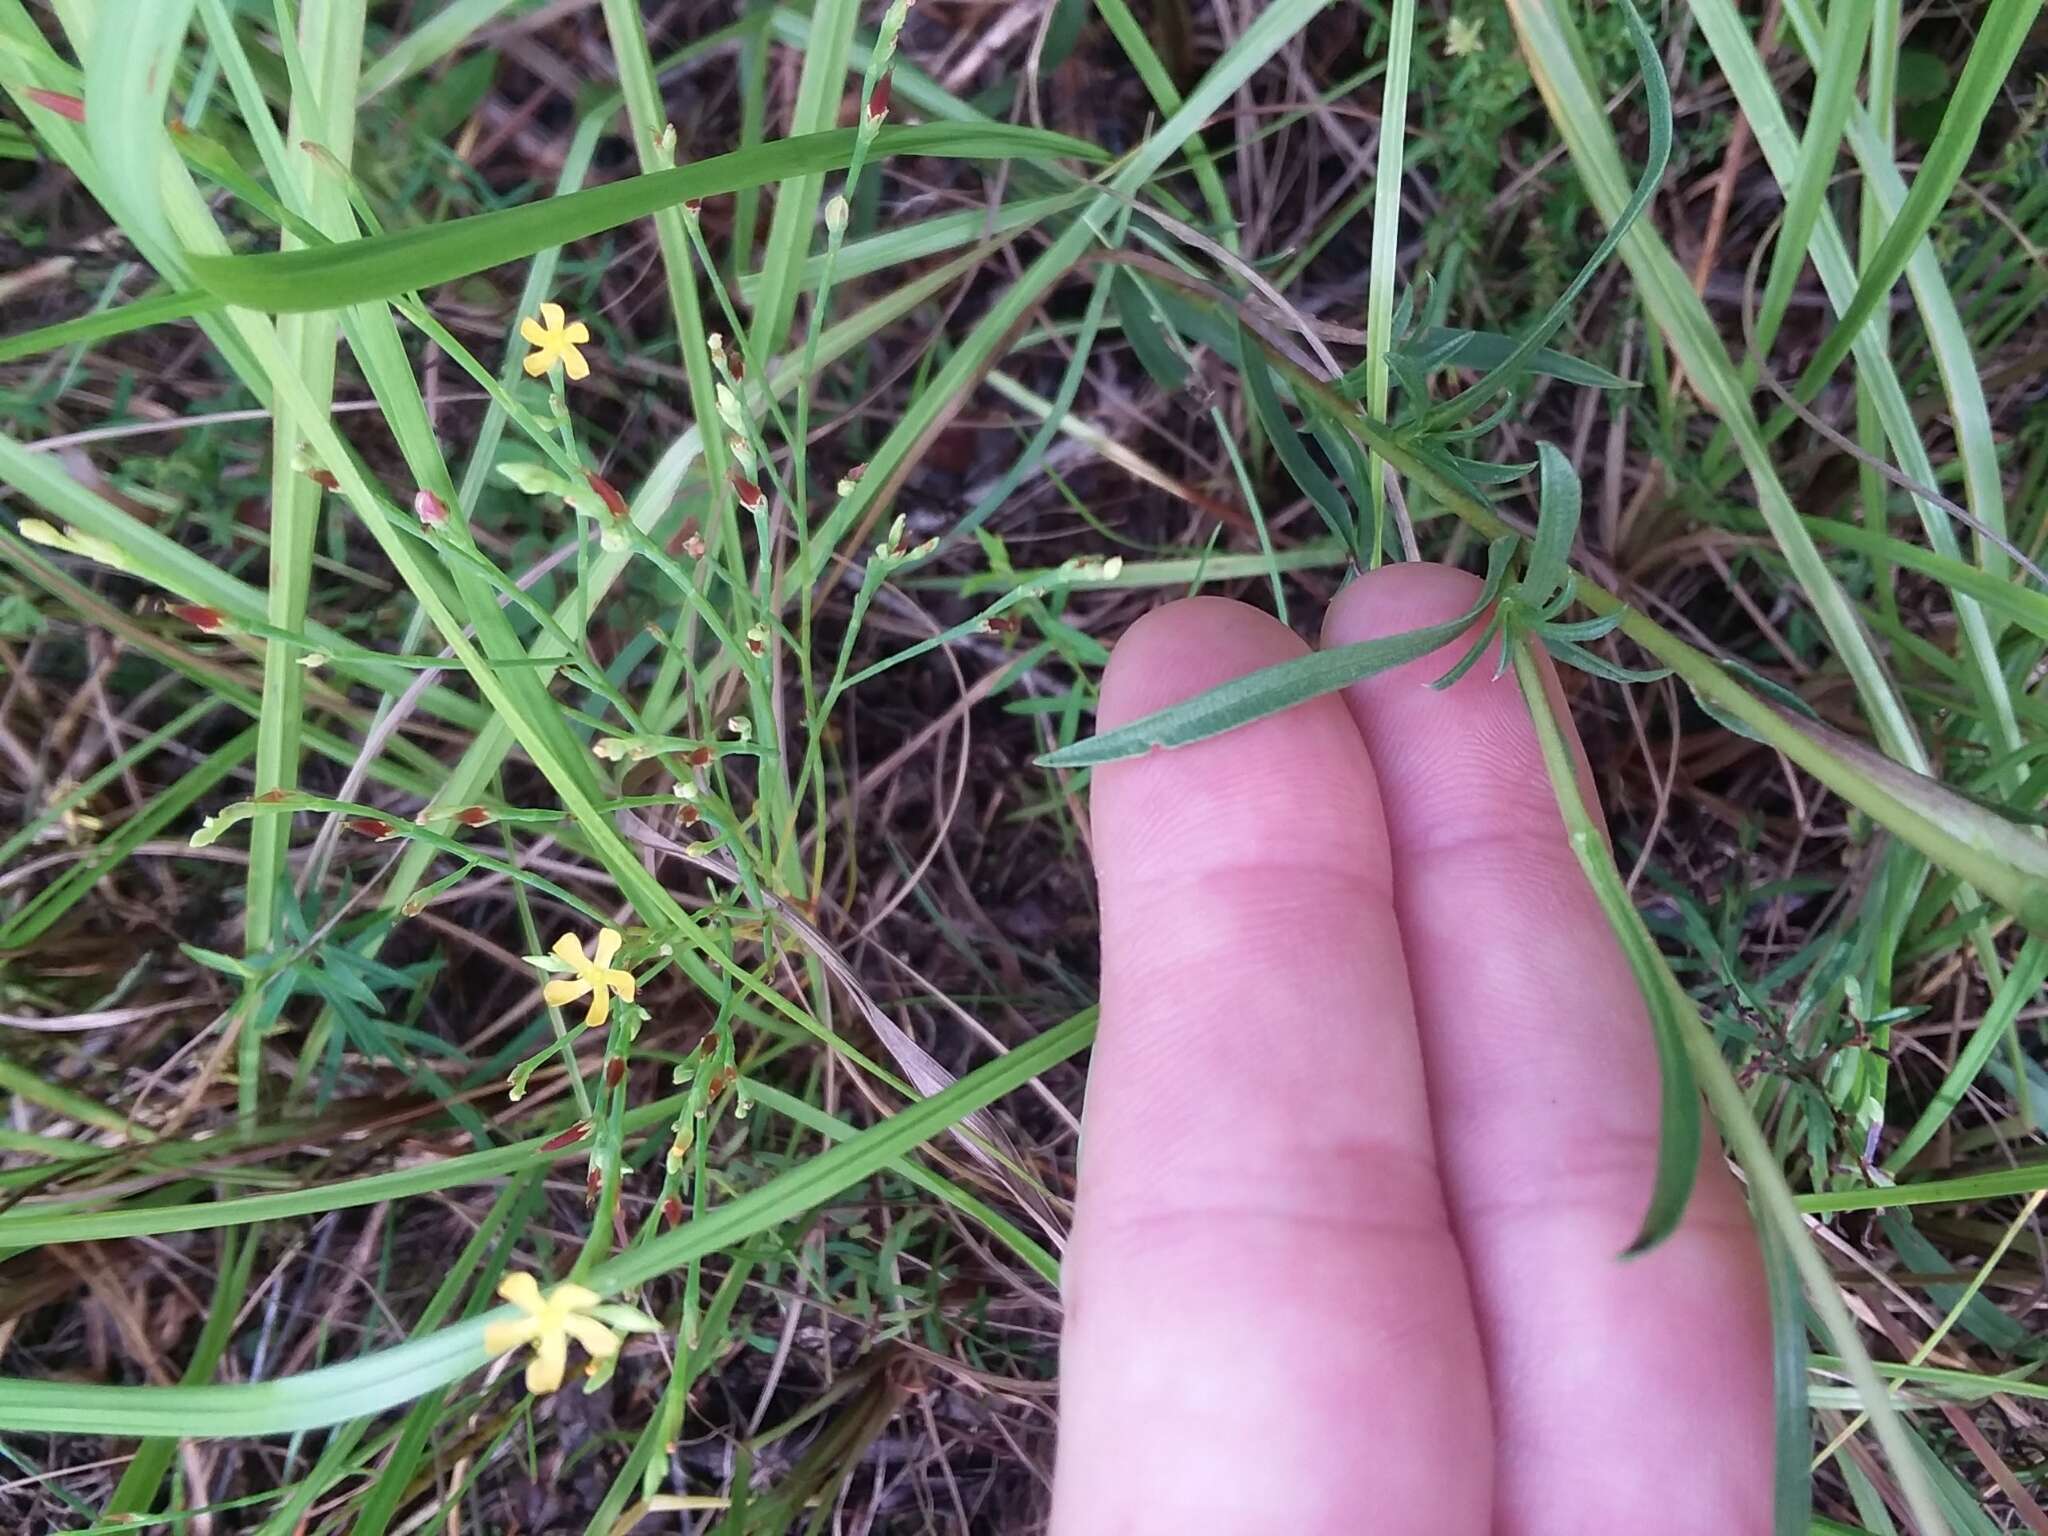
column 285, row 282
column 158, row 309
column 1145, row 332
column 1301, row 466
column 1834, row 92
column 1792, row 1434
column 1678, row 1120
column 1557, row 525
column 2000, row 34
column 1281, row 686
column 1439, row 346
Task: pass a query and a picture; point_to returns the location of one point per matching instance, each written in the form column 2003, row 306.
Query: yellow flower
column 550, row 1322
column 593, row 976
column 554, row 338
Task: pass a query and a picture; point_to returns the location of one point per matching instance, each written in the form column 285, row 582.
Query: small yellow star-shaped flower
column 590, row 975
column 1462, row 39
column 551, row 1320
column 555, row 339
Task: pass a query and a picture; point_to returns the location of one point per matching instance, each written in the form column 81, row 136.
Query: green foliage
column 622, row 670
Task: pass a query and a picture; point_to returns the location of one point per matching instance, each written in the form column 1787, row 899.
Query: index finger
column 1267, row 1322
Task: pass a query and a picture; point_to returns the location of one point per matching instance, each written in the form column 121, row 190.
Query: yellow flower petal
column 575, row 333
column 607, row 946
column 530, row 330
column 499, row 1337
column 522, row 1290
column 550, row 1357
column 573, row 364
column 563, row 989
column 570, row 948
column 620, row 982
column 599, row 1340
column 552, row 315
column 574, row 1297
column 536, row 364
column 600, row 1008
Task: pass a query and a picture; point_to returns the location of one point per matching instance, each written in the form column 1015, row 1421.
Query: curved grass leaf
column 1281, row 686
column 129, row 66
column 1678, row 1120
column 284, row 282
column 385, row 1378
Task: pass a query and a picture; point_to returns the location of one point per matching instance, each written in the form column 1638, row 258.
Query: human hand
column 1372, row 1112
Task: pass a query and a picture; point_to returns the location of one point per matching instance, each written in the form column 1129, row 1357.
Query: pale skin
column 1371, row 1114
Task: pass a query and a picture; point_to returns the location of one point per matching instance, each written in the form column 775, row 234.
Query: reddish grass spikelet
column 567, row 1138
column 63, row 105
column 198, row 615
column 608, row 493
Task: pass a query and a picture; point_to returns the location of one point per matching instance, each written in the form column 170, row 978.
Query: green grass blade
column 794, row 221
column 2001, row 33
column 1664, row 1001
column 1791, row 1414
column 323, row 111
column 2020, row 988
column 442, row 32
column 388, row 265
column 1835, row 71
column 385, row 1378
column 1386, row 245
column 1557, row 59
column 136, row 315
column 129, row 66
column 1146, row 63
